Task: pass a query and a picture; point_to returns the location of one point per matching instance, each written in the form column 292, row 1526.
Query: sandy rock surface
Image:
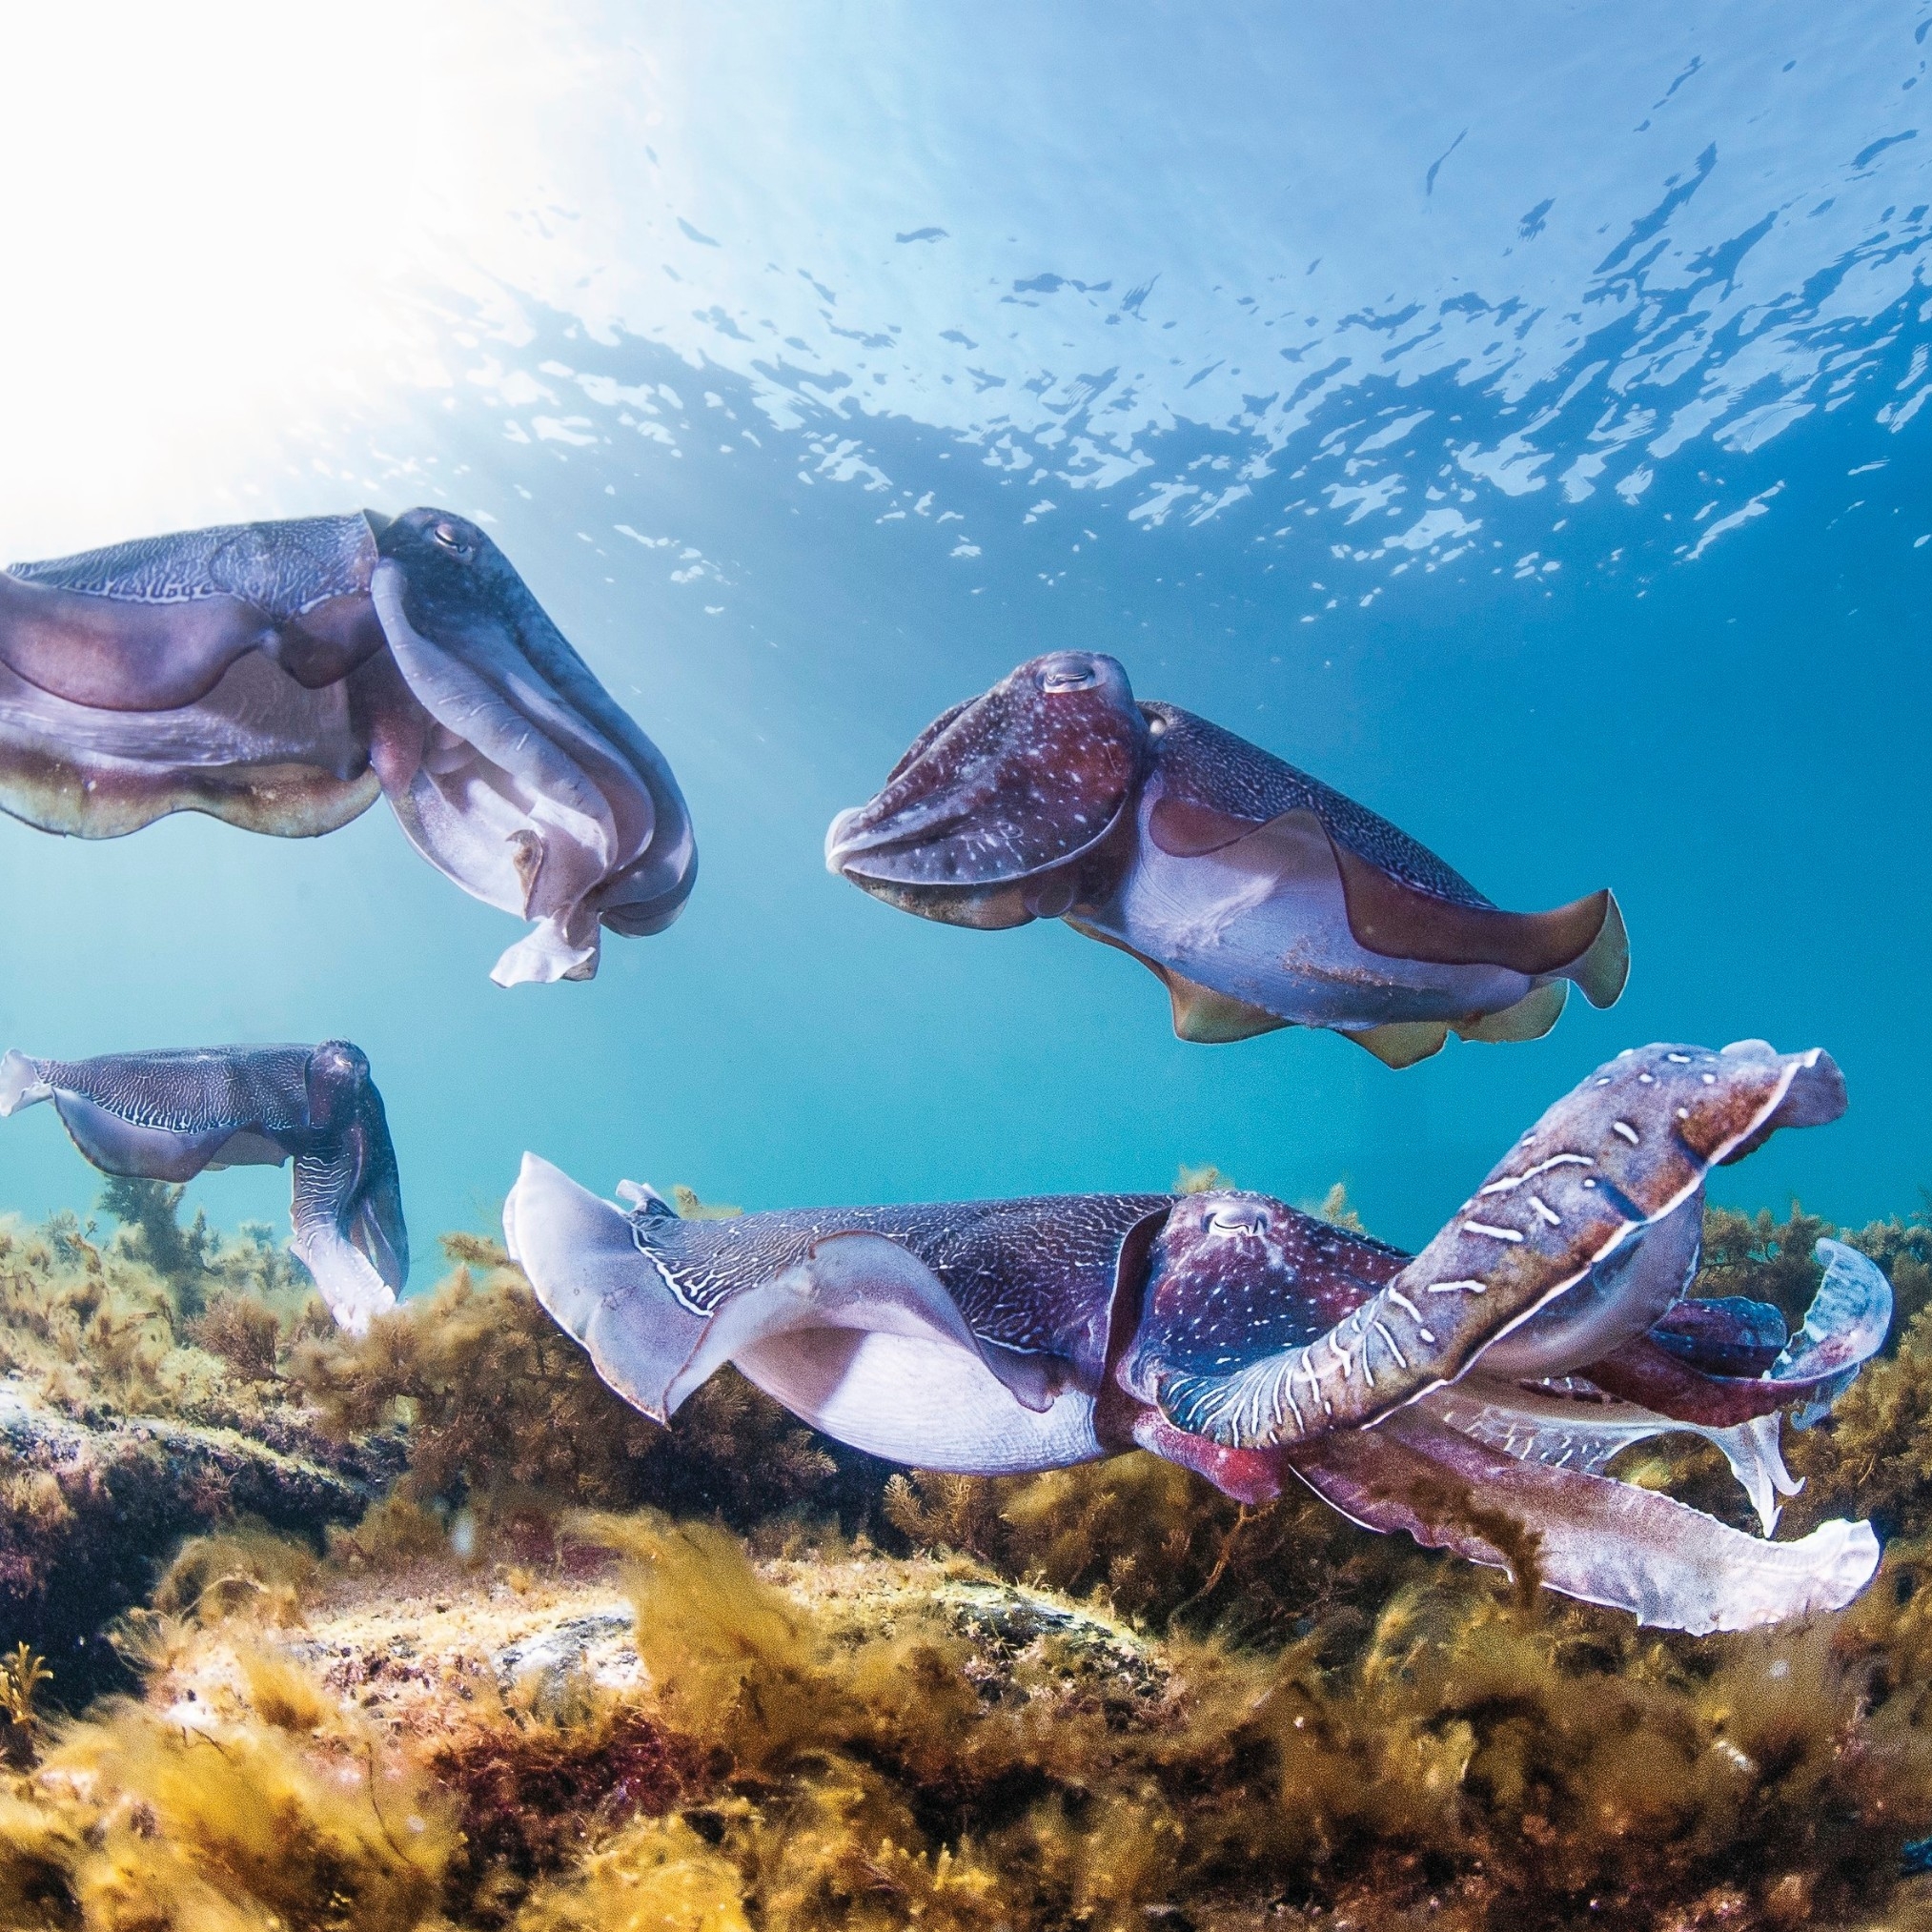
column 417, row 1651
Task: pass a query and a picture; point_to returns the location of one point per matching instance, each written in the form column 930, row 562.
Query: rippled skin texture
column 1261, row 897
column 170, row 1115
column 281, row 676
column 1471, row 1395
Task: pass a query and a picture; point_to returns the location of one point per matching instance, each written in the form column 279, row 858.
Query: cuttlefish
column 1472, row 1395
column 283, row 676
column 1260, row 896
column 170, row 1115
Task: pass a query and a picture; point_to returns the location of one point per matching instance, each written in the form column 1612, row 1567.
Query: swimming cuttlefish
column 172, row 1114
column 283, row 676
column 1261, row 897
column 1491, row 1376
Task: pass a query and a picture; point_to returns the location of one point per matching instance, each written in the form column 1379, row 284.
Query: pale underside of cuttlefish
column 1261, row 897
column 283, row 676
column 1491, row 1378
column 170, row 1115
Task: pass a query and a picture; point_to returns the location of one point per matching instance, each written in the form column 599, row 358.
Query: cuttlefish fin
column 1584, row 941
column 1202, row 1016
column 20, row 1083
column 1212, row 1019
column 1582, row 1536
column 119, row 1147
column 1402, row 1042
column 805, row 1321
column 1532, row 1016
column 872, row 1286
column 585, row 1268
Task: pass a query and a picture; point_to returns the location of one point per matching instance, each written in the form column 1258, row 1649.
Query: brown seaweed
column 1113, row 1699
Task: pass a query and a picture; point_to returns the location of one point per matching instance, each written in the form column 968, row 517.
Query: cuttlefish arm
column 346, row 1199
column 1261, row 897
column 1616, row 1157
column 1679, row 1376
column 170, row 1115
column 1669, row 1369
column 529, row 787
column 1010, row 807
column 1493, row 1441
column 279, row 676
column 846, row 1316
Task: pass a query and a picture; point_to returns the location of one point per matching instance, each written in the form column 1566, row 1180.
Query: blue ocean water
column 1512, row 417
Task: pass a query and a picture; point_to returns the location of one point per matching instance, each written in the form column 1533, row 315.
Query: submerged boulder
column 94, row 1507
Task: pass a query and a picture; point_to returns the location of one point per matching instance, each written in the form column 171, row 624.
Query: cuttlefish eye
column 1069, row 674
column 451, row 540
column 1242, row 1219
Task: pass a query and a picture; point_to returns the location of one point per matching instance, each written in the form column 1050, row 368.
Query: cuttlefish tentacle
column 1605, row 1542
column 170, row 1115
column 282, row 675
column 1260, row 897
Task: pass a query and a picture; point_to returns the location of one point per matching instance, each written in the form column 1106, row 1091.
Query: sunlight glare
column 207, row 208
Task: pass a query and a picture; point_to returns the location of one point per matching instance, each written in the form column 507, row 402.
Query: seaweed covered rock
column 656, row 1727
column 121, row 1434
column 571, row 1670
column 90, row 1513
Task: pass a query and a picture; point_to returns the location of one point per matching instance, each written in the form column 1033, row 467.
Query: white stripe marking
column 1394, row 1351
column 1504, row 1185
column 1494, row 1234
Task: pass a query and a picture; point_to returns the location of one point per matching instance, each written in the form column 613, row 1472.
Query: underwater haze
column 1511, row 415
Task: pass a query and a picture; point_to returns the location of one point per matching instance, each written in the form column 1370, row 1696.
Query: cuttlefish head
column 1474, row 1396
column 512, row 768
column 337, row 1079
column 1003, row 808
column 458, row 581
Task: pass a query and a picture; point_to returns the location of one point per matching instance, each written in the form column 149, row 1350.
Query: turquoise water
column 1518, row 428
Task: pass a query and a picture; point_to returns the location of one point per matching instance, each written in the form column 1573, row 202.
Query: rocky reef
column 427, row 1630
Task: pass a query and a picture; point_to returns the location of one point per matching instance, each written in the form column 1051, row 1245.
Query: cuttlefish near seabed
column 170, row 1115
column 1491, row 1377
column 283, row 676
column 1258, row 895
